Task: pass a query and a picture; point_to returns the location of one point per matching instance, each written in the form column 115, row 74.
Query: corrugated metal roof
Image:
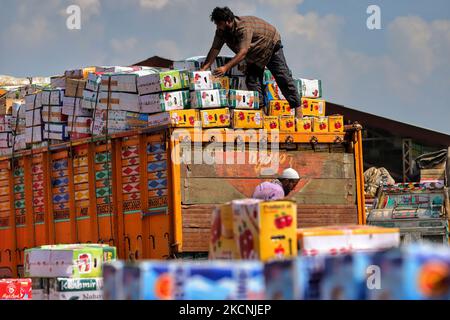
column 396, row 128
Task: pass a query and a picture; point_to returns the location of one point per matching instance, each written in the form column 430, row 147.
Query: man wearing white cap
column 278, row 188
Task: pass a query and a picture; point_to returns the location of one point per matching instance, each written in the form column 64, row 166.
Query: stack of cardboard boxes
column 67, row 272
column 12, row 124
column 18, row 126
column 186, row 280
column 414, row 272
column 44, row 118
column 309, row 117
column 107, row 100
column 113, row 98
column 164, row 97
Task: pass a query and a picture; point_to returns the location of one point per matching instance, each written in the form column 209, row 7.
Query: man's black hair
column 222, row 14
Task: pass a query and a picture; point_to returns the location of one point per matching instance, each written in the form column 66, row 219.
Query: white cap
column 289, row 173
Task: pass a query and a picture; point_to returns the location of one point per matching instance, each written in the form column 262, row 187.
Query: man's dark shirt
column 253, row 33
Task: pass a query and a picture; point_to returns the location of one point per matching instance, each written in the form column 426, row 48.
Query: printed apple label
column 216, row 229
column 84, row 263
column 250, row 102
column 305, row 104
column 246, row 244
column 279, row 251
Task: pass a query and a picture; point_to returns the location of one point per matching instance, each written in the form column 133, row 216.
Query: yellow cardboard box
column 222, row 244
column 280, row 107
column 336, row 123
column 320, row 124
column 215, row 118
column 88, row 70
column 265, row 230
column 287, row 123
column 271, row 123
column 247, row 119
column 304, row 124
column 184, row 118
column 312, row 107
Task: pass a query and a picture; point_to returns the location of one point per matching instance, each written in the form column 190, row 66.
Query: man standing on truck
column 259, row 44
column 278, row 188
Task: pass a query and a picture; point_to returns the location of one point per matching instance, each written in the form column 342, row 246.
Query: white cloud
column 124, row 46
column 410, row 42
column 89, row 7
column 37, row 31
column 281, row 3
column 243, row 8
column 154, row 4
column 169, row 49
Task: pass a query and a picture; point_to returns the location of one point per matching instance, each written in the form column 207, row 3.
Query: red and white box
column 15, row 289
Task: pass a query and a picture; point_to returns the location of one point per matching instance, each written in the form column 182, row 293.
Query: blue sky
column 401, row 71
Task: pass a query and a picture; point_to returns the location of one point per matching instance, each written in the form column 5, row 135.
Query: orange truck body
column 125, row 190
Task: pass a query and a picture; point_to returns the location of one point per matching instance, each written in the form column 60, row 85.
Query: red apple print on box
column 197, row 77
column 289, row 221
column 245, row 242
column 216, row 229
column 316, row 93
column 338, row 125
column 305, row 104
column 307, row 126
column 167, row 96
column 167, row 81
column 277, row 106
column 191, row 120
column 283, row 221
column 279, row 251
column 289, row 124
column 241, row 116
column 84, row 263
column 280, row 222
column 250, row 102
column 273, row 125
column 204, row 95
column 223, row 118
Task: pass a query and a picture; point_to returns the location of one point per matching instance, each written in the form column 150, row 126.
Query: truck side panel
column 326, row 193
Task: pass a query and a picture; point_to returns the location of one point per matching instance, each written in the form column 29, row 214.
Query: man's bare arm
column 219, row 72
column 212, row 55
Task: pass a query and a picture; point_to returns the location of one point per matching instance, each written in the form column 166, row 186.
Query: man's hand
column 202, row 66
column 220, row 72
